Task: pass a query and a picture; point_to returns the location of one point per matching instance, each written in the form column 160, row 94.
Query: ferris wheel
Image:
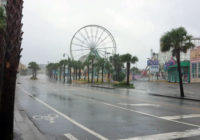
column 92, row 39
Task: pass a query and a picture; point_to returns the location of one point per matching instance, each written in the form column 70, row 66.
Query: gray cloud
column 135, row 24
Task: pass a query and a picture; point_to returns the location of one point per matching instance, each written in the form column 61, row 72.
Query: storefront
column 195, row 65
column 173, row 75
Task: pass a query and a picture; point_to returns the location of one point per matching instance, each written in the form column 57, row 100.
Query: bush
column 123, row 84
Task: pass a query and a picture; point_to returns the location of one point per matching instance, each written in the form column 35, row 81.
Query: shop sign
column 152, row 62
column 154, row 68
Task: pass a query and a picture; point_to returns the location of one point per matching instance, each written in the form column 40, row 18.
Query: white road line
column 181, row 116
column 169, row 136
column 67, row 117
column 154, row 105
column 71, row 137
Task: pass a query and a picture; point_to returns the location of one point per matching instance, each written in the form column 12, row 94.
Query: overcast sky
column 136, row 25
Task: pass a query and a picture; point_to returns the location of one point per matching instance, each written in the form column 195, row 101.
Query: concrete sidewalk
column 192, row 91
column 24, row 128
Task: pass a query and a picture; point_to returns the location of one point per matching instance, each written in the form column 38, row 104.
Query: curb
column 174, row 97
column 103, row 87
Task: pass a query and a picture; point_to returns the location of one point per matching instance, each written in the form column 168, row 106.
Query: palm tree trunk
column 76, row 73
column 79, row 74
column 128, row 72
column 88, row 73
column 64, row 74
column 97, row 76
column 60, row 73
column 102, row 74
column 11, row 62
column 92, row 71
column 180, row 74
column 70, row 74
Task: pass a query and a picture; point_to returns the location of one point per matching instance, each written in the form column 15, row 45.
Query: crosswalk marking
column 181, row 117
column 154, row 105
column 169, row 136
column 70, row 137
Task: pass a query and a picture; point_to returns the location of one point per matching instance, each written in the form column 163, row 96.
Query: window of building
column 194, row 70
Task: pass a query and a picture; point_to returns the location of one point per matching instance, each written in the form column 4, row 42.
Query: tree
column 91, row 58
column 87, row 63
column 13, row 38
column 34, row 66
column 177, row 40
column 117, row 63
column 128, row 59
column 101, row 63
column 79, row 66
column 109, row 68
column 69, row 63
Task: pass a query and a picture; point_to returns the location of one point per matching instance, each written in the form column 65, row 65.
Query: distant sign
column 154, row 68
column 152, row 62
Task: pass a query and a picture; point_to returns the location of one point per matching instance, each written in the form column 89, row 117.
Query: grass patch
column 32, row 78
column 123, row 85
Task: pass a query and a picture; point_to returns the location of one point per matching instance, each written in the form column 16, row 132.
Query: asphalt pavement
column 80, row 112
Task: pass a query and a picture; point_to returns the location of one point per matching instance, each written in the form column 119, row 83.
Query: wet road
column 86, row 113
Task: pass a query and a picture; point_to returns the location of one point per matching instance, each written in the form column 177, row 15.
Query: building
column 173, row 75
column 195, row 64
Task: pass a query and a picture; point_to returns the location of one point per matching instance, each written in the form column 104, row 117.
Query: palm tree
column 128, row 59
column 91, row 58
column 69, row 63
column 60, row 71
column 117, row 63
column 177, row 40
column 87, row 63
column 13, row 39
column 65, row 62
column 34, row 66
column 101, row 63
column 109, row 68
column 79, row 66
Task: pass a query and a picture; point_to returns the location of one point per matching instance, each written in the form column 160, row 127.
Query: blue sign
column 152, row 62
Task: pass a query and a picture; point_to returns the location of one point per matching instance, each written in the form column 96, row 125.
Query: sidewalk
column 192, row 91
column 24, row 129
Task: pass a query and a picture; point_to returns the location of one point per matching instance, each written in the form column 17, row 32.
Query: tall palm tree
column 65, row 62
column 69, row 63
column 177, row 40
column 117, row 63
column 128, row 59
column 91, row 58
column 35, row 67
column 79, row 66
column 60, row 66
column 101, row 63
column 87, row 63
column 109, row 68
column 13, row 50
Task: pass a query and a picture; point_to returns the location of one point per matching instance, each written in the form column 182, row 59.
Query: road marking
column 70, row 137
column 154, row 105
column 139, row 112
column 169, row 136
column 67, row 117
column 49, row 117
column 181, row 117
